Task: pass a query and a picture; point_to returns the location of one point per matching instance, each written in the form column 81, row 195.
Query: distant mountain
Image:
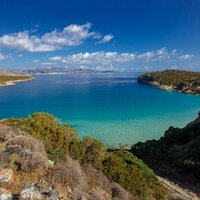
column 10, row 73
column 58, row 70
column 183, row 81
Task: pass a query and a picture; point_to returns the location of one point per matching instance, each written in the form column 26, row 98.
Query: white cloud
column 158, row 55
column 106, row 38
column 36, row 61
column 162, row 51
column 56, row 59
column 108, row 60
column 2, row 57
column 47, row 63
column 146, row 56
column 174, row 52
column 96, row 58
column 72, row 35
column 20, row 55
column 22, row 41
column 186, row 57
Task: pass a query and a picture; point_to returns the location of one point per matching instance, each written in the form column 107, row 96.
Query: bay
column 111, row 107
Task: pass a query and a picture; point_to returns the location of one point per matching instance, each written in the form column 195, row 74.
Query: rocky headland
column 183, row 81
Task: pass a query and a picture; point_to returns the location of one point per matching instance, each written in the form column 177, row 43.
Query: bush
column 118, row 193
column 47, row 128
column 118, row 166
column 26, row 142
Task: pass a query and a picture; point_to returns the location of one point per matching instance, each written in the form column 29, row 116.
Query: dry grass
column 28, row 142
column 2, row 147
column 96, row 178
column 23, row 178
column 30, row 161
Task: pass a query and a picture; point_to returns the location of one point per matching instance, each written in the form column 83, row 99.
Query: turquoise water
column 111, row 107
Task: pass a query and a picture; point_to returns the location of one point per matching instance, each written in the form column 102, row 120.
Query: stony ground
column 177, row 192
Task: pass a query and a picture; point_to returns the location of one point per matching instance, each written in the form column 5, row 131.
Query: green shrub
column 119, row 166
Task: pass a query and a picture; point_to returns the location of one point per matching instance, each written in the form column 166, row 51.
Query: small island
column 184, row 81
column 11, row 78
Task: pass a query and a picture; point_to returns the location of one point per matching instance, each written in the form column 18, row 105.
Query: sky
column 127, row 35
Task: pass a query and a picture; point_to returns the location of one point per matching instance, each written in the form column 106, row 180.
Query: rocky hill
column 42, row 159
column 176, row 155
column 183, row 81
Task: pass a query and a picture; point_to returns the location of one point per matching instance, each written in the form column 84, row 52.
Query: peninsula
column 11, row 78
column 184, row 81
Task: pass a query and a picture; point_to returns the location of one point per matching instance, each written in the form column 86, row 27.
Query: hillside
column 183, row 81
column 11, row 78
column 47, row 158
column 176, row 155
column 26, row 170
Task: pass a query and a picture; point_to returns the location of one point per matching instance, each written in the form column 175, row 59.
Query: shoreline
column 14, row 82
column 185, row 82
column 170, row 88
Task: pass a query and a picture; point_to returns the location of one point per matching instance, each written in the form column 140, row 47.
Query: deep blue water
column 111, row 107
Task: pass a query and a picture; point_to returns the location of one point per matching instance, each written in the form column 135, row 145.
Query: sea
column 111, row 107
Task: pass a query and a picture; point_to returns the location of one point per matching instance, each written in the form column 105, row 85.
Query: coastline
column 169, row 88
column 14, row 82
column 181, row 81
column 162, row 87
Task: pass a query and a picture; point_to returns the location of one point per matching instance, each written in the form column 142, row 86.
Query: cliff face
column 183, row 81
column 176, row 155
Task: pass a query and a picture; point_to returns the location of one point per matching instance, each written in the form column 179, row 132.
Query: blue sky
column 131, row 35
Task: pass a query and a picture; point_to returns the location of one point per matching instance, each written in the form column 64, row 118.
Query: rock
column 30, row 192
column 51, row 194
column 6, row 176
column 47, row 191
column 5, row 194
column 82, row 198
column 51, row 163
column 166, row 87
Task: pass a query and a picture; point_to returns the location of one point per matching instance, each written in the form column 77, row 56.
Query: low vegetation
column 9, row 77
column 4, row 79
column 184, row 81
column 61, row 143
column 25, row 171
column 175, row 155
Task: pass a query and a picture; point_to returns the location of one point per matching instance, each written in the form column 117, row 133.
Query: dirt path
column 176, row 192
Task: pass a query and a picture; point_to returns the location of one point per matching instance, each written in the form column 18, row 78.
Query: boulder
column 30, row 192
column 6, row 176
column 50, row 194
column 5, row 194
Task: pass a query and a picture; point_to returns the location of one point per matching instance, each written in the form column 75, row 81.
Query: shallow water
column 111, row 107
